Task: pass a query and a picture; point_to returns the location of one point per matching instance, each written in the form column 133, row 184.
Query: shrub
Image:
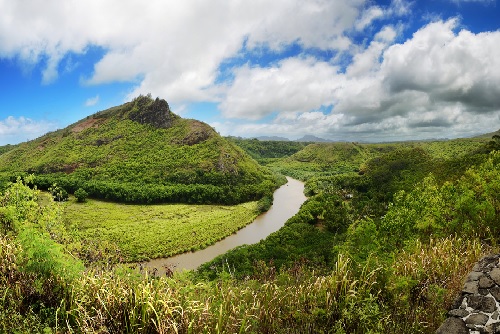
column 58, row 193
column 81, row 195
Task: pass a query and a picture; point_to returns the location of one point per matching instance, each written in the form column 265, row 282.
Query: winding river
column 287, row 201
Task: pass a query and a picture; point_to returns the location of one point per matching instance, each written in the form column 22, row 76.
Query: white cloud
column 434, row 81
column 448, row 67
column 400, row 8
column 440, row 83
column 19, row 129
column 170, row 49
column 294, row 85
column 369, row 16
column 92, row 101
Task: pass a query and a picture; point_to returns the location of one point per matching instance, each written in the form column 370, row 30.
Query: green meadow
column 143, row 232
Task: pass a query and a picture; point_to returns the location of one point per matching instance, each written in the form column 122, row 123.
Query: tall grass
column 295, row 301
column 410, row 295
column 425, row 280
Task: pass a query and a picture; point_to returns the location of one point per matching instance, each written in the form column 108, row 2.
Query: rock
column 493, row 328
column 495, row 275
column 495, row 292
column 482, row 303
column 459, row 313
column 457, row 302
column 477, row 319
column 485, row 282
column 483, row 292
column 156, row 113
column 471, row 287
column 479, row 309
column 453, row 326
column 474, row 276
column 486, row 263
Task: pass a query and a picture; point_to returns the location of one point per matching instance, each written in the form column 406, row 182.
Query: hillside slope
column 142, row 152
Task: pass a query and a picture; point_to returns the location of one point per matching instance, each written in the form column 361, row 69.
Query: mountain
column 488, row 135
column 141, row 152
column 312, row 139
column 272, row 138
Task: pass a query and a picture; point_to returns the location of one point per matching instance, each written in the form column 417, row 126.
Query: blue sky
column 352, row 70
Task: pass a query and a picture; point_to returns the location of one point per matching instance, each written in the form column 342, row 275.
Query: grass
column 427, row 277
column 152, row 231
column 292, row 302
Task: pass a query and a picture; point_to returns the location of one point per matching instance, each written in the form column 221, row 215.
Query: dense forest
column 381, row 245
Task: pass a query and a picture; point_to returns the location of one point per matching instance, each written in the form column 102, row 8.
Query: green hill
column 141, row 152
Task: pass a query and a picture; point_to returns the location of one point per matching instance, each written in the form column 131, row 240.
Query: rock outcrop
column 156, row 113
column 477, row 309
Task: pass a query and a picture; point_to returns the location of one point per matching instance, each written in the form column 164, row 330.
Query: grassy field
column 152, row 231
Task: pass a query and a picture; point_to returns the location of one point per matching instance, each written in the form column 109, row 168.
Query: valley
column 374, row 238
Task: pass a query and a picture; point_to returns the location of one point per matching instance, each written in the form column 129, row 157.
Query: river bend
column 286, row 203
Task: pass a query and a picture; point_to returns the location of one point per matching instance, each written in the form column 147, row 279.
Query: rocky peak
column 153, row 112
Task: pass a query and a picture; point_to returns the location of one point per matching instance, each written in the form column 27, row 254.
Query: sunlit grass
column 152, row 231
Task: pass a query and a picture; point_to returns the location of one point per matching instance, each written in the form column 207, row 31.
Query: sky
column 344, row 70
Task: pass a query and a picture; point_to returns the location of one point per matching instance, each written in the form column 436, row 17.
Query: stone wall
column 476, row 310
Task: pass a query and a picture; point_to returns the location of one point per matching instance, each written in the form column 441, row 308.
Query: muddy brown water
column 287, row 201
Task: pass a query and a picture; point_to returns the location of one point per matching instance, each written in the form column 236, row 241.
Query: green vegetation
column 381, row 246
column 327, row 159
column 6, row 148
column 268, row 151
column 140, row 152
column 144, row 232
column 81, row 195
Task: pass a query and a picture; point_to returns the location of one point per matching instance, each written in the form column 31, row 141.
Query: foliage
column 266, row 150
column 295, row 301
column 6, row 148
column 143, row 232
column 35, row 269
column 469, row 206
column 81, row 195
column 332, row 159
column 427, row 277
column 58, row 193
column 298, row 243
column 113, row 157
column 353, row 260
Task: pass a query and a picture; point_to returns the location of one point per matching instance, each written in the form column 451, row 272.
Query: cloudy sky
column 354, row 70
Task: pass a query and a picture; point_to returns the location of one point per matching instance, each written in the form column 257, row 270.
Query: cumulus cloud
column 435, row 81
column 369, row 16
column 18, row 129
column 171, row 49
column 293, row 85
column 431, row 85
column 447, row 66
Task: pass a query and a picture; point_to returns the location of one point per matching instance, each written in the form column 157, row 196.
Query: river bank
column 286, row 203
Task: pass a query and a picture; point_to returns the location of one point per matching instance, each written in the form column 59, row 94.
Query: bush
column 58, row 193
column 81, row 195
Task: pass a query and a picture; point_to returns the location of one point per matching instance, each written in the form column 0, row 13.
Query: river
column 286, row 203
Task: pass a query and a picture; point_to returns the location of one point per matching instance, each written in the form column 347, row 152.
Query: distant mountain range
column 307, row 138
